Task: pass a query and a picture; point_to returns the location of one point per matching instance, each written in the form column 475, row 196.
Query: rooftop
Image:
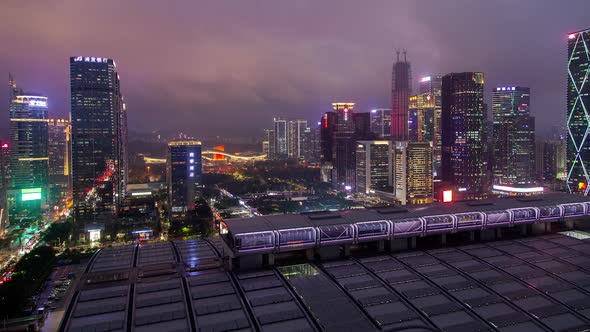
column 537, row 283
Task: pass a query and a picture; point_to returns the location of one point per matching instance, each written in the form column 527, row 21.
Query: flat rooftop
column 536, row 283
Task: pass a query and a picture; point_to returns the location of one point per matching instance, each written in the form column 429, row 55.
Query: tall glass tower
column 183, row 172
column 28, row 157
column 401, row 90
column 514, row 136
column 578, row 106
column 463, row 121
column 99, row 138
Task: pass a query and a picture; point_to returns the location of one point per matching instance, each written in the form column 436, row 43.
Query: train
column 280, row 240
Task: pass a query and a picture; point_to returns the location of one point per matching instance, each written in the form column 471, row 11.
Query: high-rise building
column 269, row 138
column 373, row 166
column 552, row 161
column 344, row 146
column 327, row 129
column 462, row 131
column 401, row 90
column 4, row 184
column 297, row 138
column 99, row 138
column 381, row 122
column 412, row 172
column 183, row 173
column 281, row 140
column 431, row 85
column 578, row 120
column 421, row 118
column 514, row 137
column 59, row 147
column 311, row 147
column 28, row 154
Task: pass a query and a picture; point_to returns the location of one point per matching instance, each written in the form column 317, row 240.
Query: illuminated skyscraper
column 297, row 138
column 514, row 137
column 269, row 138
column 432, row 86
column 183, row 169
column 578, row 106
column 28, row 154
column 401, row 90
column 281, row 140
column 59, row 146
column 412, row 172
column 99, row 138
column 4, row 184
column 373, row 166
column 344, row 146
column 463, row 121
column 381, row 122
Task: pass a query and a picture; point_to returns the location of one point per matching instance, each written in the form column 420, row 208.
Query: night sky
column 226, row 67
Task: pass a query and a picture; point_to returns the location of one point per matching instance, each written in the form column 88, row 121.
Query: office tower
column 553, row 159
column 421, row 118
column 327, row 129
column 373, row 166
column 462, row 133
column 4, row 184
column 381, row 122
column 183, row 174
column 401, row 90
column 59, row 148
column 99, row 138
column 311, row 151
column 514, row 137
column 28, row 155
column 362, row 126
column 297, row 138
column 412, row 172
column 578, row 105
column 431, row 85
column 344, row 146
column 269, row 137
column 281, row 140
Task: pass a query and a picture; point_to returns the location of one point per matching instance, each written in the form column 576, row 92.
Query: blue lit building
column 183, row 170
column 578, row 105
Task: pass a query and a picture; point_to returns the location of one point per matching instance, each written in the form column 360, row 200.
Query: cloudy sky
column 228, row 66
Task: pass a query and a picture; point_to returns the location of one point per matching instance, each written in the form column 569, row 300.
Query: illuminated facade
column 183, row 174
column 344, row 146
column 412, row 172
column 99, row 138
column 297, row 138
column 421, row 118
column 462, row 134
column 281, row 140
column 373, row 166
column 578, row 106
column 381, row 122
column 59, row 146
column 4, row 184
column 28, row 155
column 432, row 85
column 401, row 90
column 269, row 142
column 514, row 137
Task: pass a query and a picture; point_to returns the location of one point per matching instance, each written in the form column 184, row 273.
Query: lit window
column 192, row 161
column 192, row 168
column 192, row 154
column 191, row 174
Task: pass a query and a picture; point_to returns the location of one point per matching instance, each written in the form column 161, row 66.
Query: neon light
column 33, row 159
column 462, row 189
column 447, row 196
column 5, row 146
column 141, row 193
column 143, row 231
column 571, row 36
column 373, row 111
column 30, row 190
column 425, row 79
column 37, row 103
column 31, row 197
column 518, row 190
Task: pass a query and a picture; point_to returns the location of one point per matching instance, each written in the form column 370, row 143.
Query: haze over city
column 227, row 67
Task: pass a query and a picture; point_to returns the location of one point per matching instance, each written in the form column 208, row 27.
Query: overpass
column 260, row 239
column 151, row 161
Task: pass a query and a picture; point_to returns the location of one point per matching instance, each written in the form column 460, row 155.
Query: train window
column 335, row 232
column 438, row 220
column 372, row 228
column 573, row 209
column 498, row 217
column 525, row 214
column 258, row 240
column 296, row 236
column 549, row 212
column 407, row 226
column 469, row 217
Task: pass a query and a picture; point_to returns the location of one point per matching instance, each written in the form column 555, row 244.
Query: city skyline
column 248, row 64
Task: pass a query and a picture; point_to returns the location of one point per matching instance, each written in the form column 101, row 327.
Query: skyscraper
column 297, row 138
column 344, row 146
column 421, row 118
column 99, row 138
column 59, row 146
column 401, row 90
column 373, row 166
column 311, row 151
column 412, row 172
column 183, row 173
column 269, row 138
column 514, row 137
column 381, row 122
column 327, row 129
column 578, row 105
column 462, row 124
column 4, row 184
column 28, row 155
column 281, row 140
column 431, row 85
